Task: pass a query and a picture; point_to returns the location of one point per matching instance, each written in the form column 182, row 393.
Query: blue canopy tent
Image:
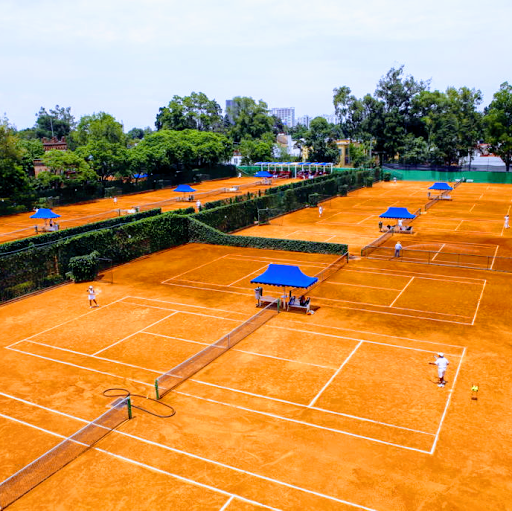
column 285, row 275
column 45, row 214
column 398, row 213
column 440, row 186
column 263, row 173
column 184, row 189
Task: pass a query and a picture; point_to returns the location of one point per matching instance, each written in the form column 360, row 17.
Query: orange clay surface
column 21, row 225
column 334, row 411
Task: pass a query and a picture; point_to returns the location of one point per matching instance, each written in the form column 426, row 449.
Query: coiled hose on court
column 125, row 393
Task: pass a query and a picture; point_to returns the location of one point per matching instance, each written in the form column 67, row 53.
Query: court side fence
column 460, row 260
column 170, row 380
column 52, row 461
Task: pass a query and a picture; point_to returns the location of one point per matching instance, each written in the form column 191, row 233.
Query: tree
column 255, row 150
column 320, row 141
column 250, row 119
column 58, row 122
column 196, row 112
column 69, row 165
column 31, row 149
column 498, row 123
column 14, row 183
column 100, row 126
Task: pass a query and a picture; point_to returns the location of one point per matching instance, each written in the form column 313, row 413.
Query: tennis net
column 368, row 249
column 52, row 461
column 328, row 272
column 170, row 380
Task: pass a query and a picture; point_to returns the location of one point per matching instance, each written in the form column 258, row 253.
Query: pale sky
column 128, row 57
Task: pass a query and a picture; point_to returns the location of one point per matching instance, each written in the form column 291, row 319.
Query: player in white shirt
column 441, row 363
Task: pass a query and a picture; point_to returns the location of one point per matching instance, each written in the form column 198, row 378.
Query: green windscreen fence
column 431, row 175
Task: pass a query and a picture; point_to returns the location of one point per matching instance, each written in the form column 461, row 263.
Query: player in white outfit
column 441, row 363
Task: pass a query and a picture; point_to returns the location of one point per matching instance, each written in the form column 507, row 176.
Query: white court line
column 263, row 258
column 196, row 268
column 400, row 294
column 361, row 285
column 372, row 333
column 94, row 311
column 182, row 304
column 308, row 424
column 183, row 312
column 439, row 251
column 331, row 237
column 408, row 273
column 457, row 243
column 314, row 400
column 226, row 505
column 367, row 341
column 181, row 478
column 208, row 289
column 135, row 333
column 450, row 393
column 364, row 220
column 401, row 315
column 478, row 304
column 290, row 234
column 494, row 257
column 79, row 367
column 299, row 405
column 472, row 207
column 214, row 462
column 248, row 275
column 388, row 306
column 457, row 228
column 90, row 356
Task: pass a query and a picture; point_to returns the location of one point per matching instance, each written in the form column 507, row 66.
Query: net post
column 157, row 393
column 129, row 405
column 278, row 303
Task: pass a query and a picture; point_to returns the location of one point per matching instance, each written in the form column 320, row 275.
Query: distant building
column 286, row 142
column 331, row 118
column 304, row 120
column 287, row 115
column 48, row 145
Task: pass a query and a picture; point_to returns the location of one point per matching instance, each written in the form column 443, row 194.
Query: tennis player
column 441, row 363
column 320, row 211
column 92, row 296
column 506, row 226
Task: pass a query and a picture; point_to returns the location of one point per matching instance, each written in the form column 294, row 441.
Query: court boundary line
column 307, row 424
column 182, row 304
column 214, row 462
column 372, row 342
column 383, row 271
column 183, row 312
column 314, row 400
column 235, row 255
column 300, row 405
column 450, row 394
column 79, row 367
column 400, row 294
column 478, row 304
column 134, row 333
column 494, row 257
column 144, row 465
column 248, row 275
column 359, row 285
column 373, row 333
column 196, row 268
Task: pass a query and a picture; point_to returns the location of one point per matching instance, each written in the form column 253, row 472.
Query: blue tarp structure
column 140, row 176
column 284, row 275
column 440, row 186
column 184, row 189
column 45, row 214
column 397, row 213
column 263, row 173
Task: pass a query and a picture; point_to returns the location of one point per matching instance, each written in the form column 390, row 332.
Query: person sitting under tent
column 292, row 300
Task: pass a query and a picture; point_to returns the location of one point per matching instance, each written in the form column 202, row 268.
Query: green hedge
column 201, row 233
column 51, row 237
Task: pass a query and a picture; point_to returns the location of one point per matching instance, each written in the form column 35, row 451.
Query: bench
column 298, row 306
column 266, row 299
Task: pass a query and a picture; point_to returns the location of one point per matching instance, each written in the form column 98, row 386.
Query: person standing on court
column 198, row 205
column 506, row 226
column 320, row 210
column 380, row 226
column 92, row 296
column 400, row 224
column 115, row 200
column 442, row 364
column 398, row 249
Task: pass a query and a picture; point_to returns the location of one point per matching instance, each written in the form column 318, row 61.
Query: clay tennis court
column 353, row 219
column 338, row 410
column 21, row 225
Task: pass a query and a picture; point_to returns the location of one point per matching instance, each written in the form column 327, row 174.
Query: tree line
column 403, row 120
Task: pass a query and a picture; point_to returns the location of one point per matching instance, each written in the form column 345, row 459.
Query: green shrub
column 83, row 268
column 387, row 176
column 369, row 182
